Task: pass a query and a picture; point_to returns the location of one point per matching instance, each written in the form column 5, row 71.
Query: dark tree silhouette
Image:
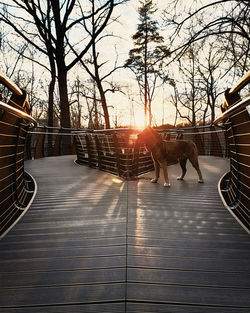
column 49, row 26
column 147, row 58
column 94, row 67
column 226, row 20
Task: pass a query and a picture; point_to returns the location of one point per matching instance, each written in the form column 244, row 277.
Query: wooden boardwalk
column 93, row 243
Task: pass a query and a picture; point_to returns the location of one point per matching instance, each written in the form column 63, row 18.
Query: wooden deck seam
column 185, row 304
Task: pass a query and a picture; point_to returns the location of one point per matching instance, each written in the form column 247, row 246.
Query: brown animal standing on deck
column 163, row 151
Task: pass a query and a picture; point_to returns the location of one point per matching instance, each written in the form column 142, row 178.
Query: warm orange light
column 138, row 120
column 117, row 180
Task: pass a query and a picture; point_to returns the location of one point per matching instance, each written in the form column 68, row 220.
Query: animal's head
column 148, row 137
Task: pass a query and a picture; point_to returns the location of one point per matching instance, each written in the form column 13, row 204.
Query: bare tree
column 48, row 26
column 146, row 60
column 211, row 68
column 224, row 19
column 94, row 67
column 12, row 65
column 75, row 104
column 84, row 94
column 187, row 93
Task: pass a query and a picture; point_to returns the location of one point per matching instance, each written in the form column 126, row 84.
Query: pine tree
column 146, row 60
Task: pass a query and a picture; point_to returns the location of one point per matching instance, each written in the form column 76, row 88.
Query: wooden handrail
column 18, row 112
column 6, row 81
column 17, row 187
column 232, row 95
column 232, row 110
column 241, row 84
column 234, row 185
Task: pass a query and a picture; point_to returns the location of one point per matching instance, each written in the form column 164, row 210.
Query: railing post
column 129, row 155
column 179, row 136
column 135, row 165
column 117, row 154
column 99, row 152
column 50, row 141
column 56, row 150
column 39, row 149
column 28, row 147
column 20, row 101
column 14, row 177
column 89, row 150
column 215, row 148
column 167, row 136
column 198, row 142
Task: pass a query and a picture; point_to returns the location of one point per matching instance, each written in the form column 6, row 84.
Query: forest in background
column 112, row 63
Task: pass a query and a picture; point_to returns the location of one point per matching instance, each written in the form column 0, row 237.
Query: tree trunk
column 65, row 112
column 51, row 103
column 99, row 82
column 104, row 106
column 145, row 101
column 149, row 112
column 51, row 113
column 51, row 99
column 145, row 93
column 145, row 77
column 64, row 101
column 96, row 121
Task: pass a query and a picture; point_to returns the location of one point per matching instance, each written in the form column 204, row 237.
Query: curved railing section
column 44, row 141
column 17, row 188
column 114, row 150
column 234, row 186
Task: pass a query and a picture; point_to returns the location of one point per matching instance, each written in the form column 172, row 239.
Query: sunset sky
column 126, row 107
column 130, row 111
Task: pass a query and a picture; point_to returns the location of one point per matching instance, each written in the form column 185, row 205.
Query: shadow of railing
column 234, row 186
column 17, row 187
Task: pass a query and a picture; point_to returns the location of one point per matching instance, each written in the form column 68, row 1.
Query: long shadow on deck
column 94, row 243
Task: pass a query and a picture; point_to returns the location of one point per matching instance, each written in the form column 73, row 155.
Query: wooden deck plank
column 94, row 243
column 193, row 295
column 64, row 264
column 213, row 264
column 188, row 278
column 77, row 308
column 188, row 241
column 61, row 295
column 184, row 248
column 183, row 252
column 171, row 308
column 69, row 278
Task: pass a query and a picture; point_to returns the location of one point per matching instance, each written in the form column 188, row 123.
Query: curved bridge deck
column 93, row 243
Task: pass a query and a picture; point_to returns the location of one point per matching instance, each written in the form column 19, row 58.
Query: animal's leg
column 157, row 172
column 165, row 173
column 195, row 163
column 183, row 163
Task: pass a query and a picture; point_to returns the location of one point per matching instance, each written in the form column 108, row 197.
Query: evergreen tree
column 146, row 60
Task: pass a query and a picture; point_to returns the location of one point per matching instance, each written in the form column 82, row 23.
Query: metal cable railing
column 45, row 141
column 16, row 186
column 234, row 186
column 114, row 151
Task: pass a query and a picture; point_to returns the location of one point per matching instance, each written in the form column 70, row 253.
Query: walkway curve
column 92, row 242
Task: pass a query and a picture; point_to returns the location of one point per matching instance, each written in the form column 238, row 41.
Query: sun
column 138, row 120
